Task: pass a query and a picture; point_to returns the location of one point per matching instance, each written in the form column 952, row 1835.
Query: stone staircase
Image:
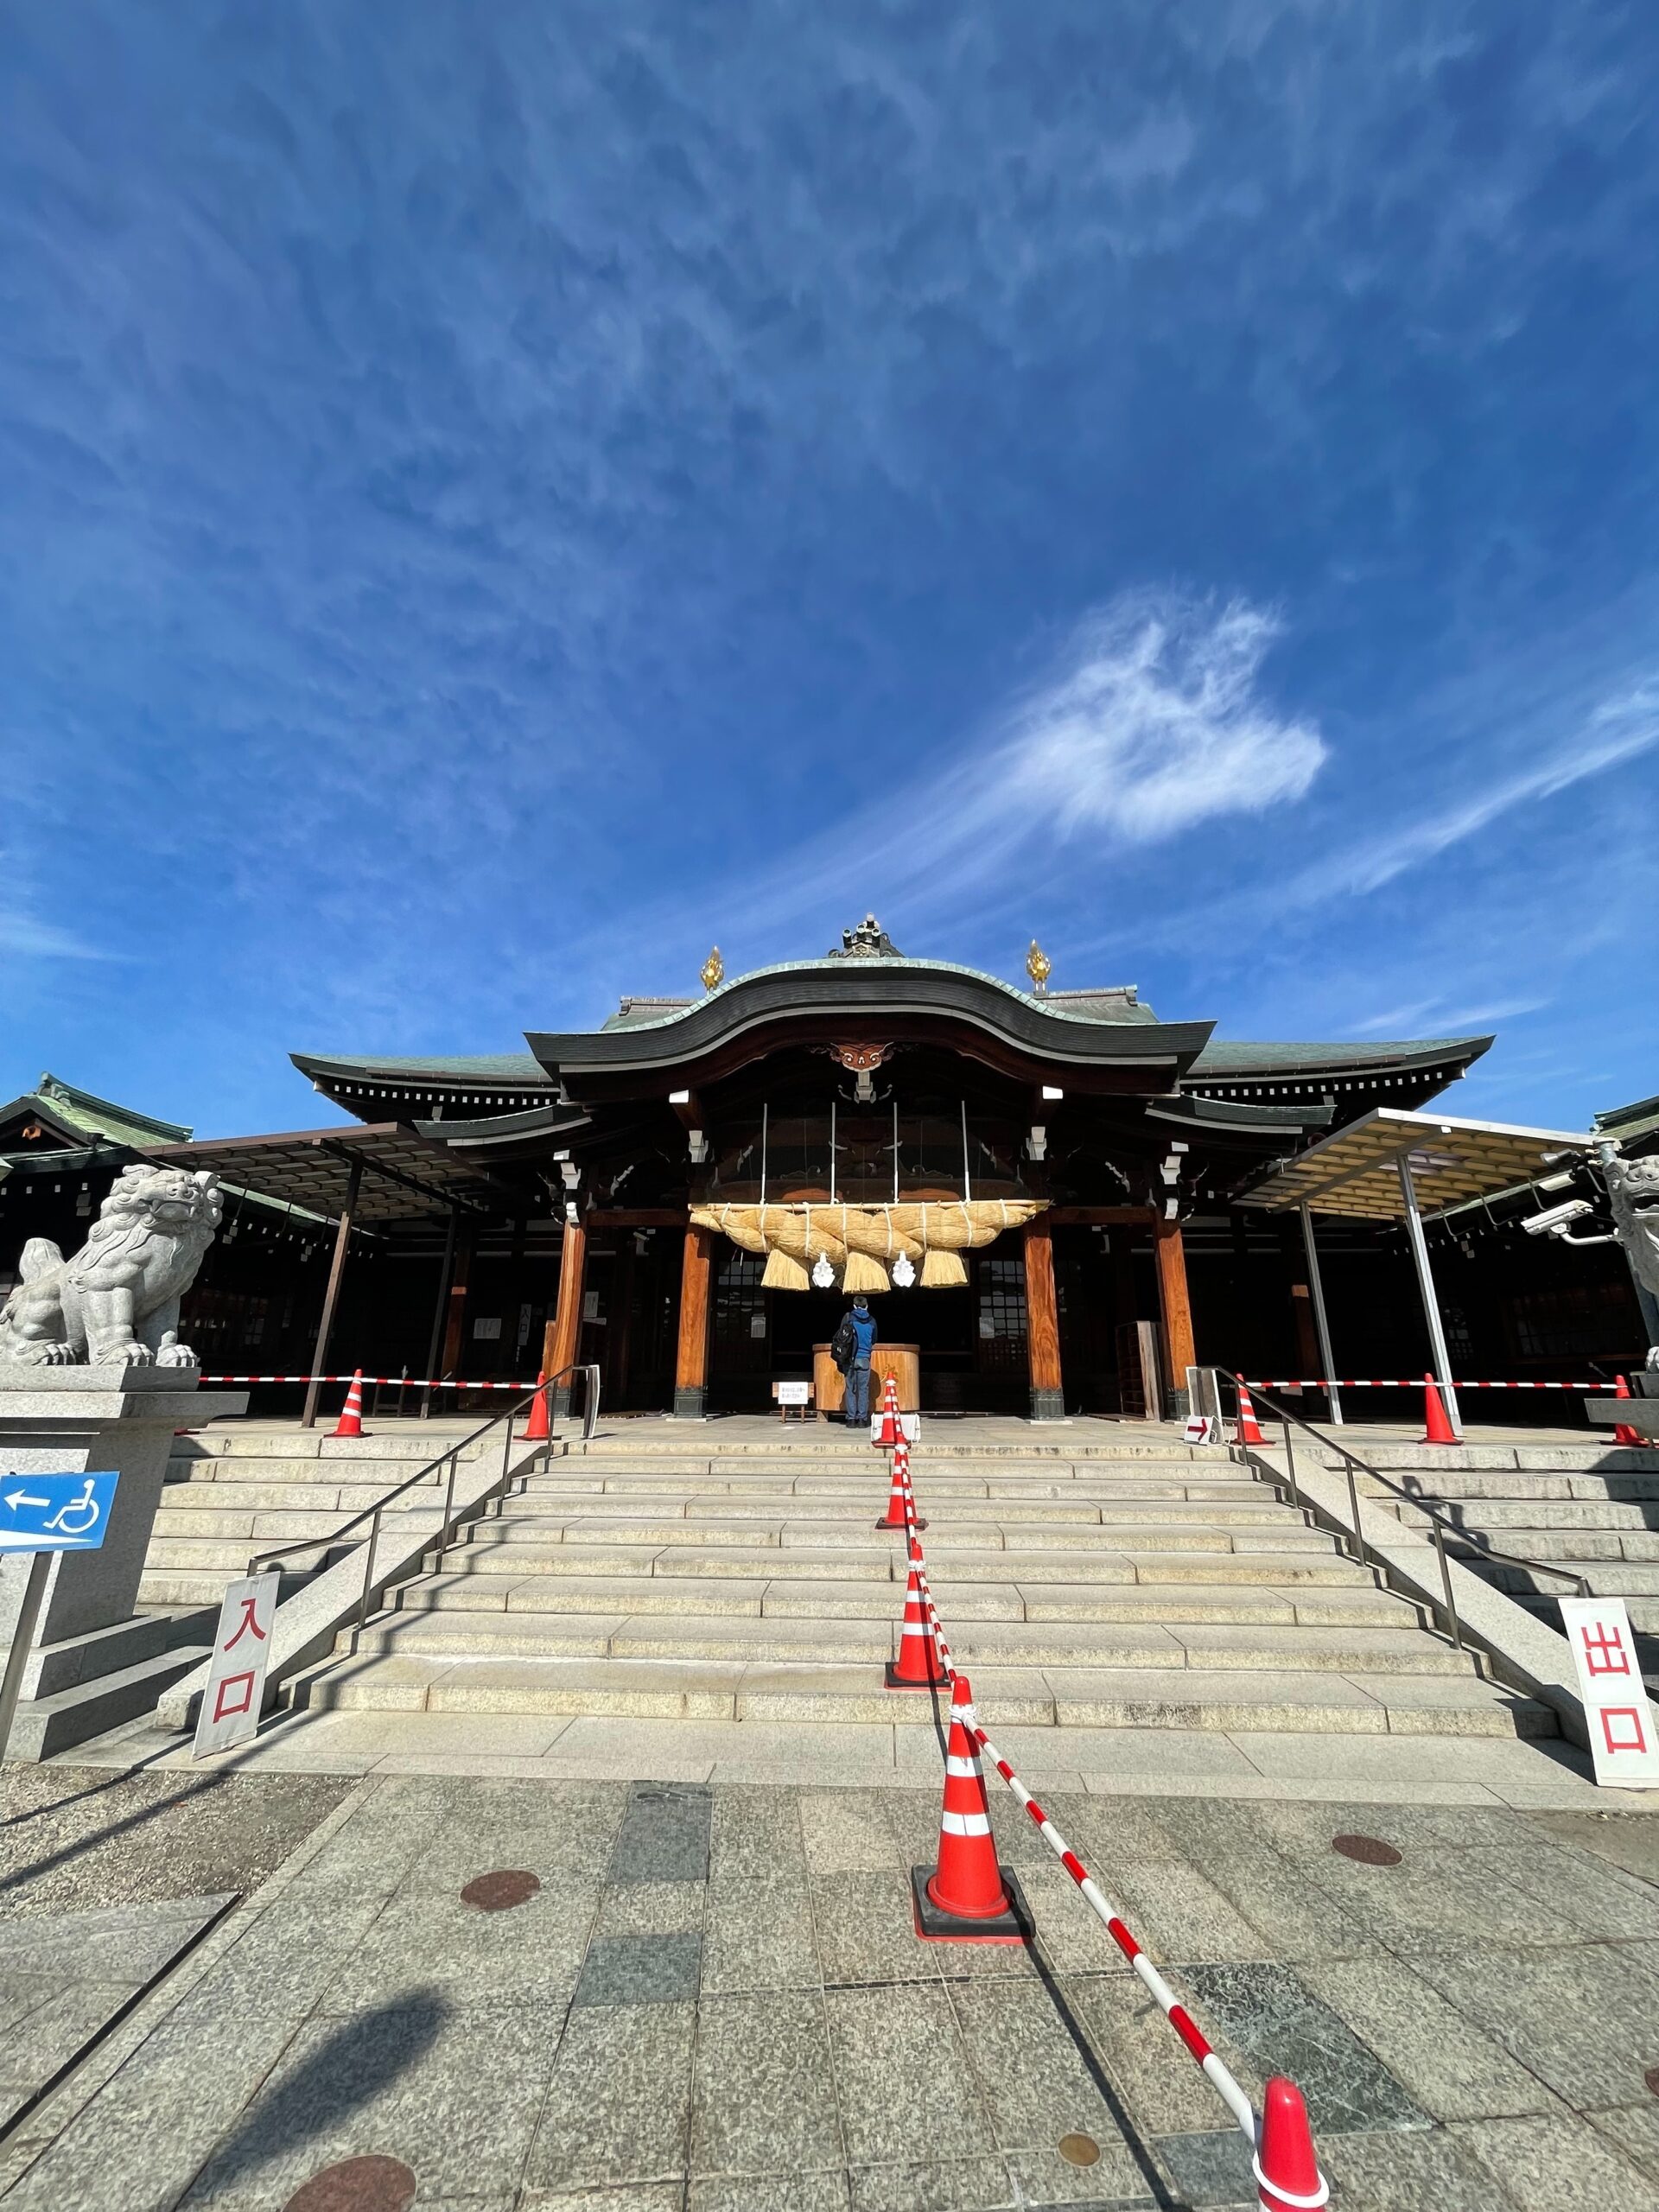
column 233, row 1490
column 1083, row 1583
column 1586, row 1505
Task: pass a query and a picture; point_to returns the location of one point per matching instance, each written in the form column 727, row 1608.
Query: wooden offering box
column 902, row 1361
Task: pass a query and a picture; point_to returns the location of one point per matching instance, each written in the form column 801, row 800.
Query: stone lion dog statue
column 116, row 1303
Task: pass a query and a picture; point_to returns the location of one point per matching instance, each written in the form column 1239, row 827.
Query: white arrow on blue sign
column 55, row 1513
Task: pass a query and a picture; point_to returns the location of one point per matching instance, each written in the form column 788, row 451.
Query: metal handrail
column 1437, row 1520
column 451, row 1458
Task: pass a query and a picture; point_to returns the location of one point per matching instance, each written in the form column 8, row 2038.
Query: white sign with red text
column 236, row 1681
column 1622, row 1738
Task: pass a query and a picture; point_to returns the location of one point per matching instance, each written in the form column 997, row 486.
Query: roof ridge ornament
column 1039, row 967
column 869, row 941
column 713, row 970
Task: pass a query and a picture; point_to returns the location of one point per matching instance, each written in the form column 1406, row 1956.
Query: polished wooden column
column 1174, row 1302
column 1043, row 1323
column 331, row 1295
column 691, row 1363
column 562, row 1339
column 449, row 1360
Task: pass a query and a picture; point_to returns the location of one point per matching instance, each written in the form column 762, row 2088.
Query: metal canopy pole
column 1319, row 1321
column 1426, row 1285
column 337, row 1269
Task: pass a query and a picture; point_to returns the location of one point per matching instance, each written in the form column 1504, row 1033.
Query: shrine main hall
column 1055, row 1201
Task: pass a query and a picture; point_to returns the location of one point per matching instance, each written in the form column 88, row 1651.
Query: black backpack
column 844, row 1344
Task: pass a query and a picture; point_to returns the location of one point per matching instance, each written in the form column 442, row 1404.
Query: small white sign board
column 1202, row 1428
column 793, row 1394
column 1623, row 1740
column 910, row 1427
column 236, row 1681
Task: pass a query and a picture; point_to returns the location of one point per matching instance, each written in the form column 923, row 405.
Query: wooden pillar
column 440, row 1307
column 331, row 1295
column 691, row 1363
column 1043, row 1323
column 449, row 1358
column 562, row 1339
column 1174, row 1303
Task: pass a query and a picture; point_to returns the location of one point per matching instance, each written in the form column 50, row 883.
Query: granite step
column 1183, row 1698
column 1272, row 1648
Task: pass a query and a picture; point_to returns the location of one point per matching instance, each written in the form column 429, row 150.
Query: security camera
column 1553, row 1220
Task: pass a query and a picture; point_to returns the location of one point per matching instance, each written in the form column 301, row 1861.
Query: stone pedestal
column 67, row 1420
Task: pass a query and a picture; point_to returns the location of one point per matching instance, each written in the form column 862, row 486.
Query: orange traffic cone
column 889, row 1433
column 1249, row 1429
column 967, row 1897
column 537, row 1431
column 1437, row 1429
column 901, row 1506
column 1286, row 2171
column 1623, row 1432
column 918, row 1664
column 351, row 1413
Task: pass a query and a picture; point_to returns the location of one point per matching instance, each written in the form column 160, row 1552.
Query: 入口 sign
column 235, row 1679
column 1623, row 1740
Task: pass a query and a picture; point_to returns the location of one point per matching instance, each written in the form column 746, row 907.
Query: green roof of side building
column 91, row 1116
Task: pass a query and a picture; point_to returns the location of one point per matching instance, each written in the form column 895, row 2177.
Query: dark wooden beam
column 331, row 1295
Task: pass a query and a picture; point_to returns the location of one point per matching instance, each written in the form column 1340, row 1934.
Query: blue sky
column 494, row 500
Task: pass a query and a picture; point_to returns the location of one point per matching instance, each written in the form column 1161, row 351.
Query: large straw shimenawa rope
column 861, row 1242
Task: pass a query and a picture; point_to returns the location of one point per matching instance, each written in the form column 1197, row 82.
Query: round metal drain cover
column 1369, row 1850
column 501, row 1891
column 1079, row 2150
column 1651, row 2077
column 371, row 2184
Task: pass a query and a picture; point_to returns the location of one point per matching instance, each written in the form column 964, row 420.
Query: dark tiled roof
column 511, row 1068
column 1228, row 1057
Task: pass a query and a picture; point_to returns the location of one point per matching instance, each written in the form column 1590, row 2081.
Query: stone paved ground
column 714, row 2003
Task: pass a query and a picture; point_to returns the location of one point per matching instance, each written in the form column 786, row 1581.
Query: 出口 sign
column 1623, row 1740
column 235, row 1679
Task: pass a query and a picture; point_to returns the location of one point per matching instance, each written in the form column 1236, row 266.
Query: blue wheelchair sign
column 55, row 1513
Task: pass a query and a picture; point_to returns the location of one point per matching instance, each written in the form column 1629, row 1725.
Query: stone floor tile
column 651, row 1908
column 756, row 1830
column 1116, row 2178
column 865, row 1930
column 1628, row 1840
column 1270, row 1888
column 982, row 2184
column 1459, row 1895
column 764, row 2095
column 1070, row 1938
column 901, row 2075
column 818, row 2192
column 1301, row 1828
column 1581, row 1890
column 554, row 1829
column 645, row 2197
column 1176, row 1914
column 1276, row 2025
column 1555, row 2165
column 846, row 1834
column 1442, row 2060
column 618, row 2104
column 1634, row 2129
column 452, row 2092
column 52, row 2033
column 664, row 1834
column 1423, row 2172
column 638, row 1970
column 1107, row 1828
column 1585, row 2019
column 759, row 1936
column 1037, row 2076
column 1210, row 2168
column 424, row 1940
column 1143, row 2058
column 126, row 1943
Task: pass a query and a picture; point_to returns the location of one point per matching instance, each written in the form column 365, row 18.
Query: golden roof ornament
column 1037, row 966
column 713, row 970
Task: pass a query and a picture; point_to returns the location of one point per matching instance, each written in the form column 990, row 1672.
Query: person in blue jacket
column 854, row 1338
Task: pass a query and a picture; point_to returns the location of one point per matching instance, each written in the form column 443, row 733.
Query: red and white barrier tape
column 1410, row 1383
column 1171, row 2006
column 387, row 1381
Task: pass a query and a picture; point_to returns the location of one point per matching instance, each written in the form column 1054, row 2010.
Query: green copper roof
column 96, row 1117
column 484, row 1067
column 1227, row 1056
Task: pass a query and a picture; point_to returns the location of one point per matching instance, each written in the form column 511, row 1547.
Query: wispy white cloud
column 1621, row 728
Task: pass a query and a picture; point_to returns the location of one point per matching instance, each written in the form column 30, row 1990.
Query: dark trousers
column 858, row 1394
